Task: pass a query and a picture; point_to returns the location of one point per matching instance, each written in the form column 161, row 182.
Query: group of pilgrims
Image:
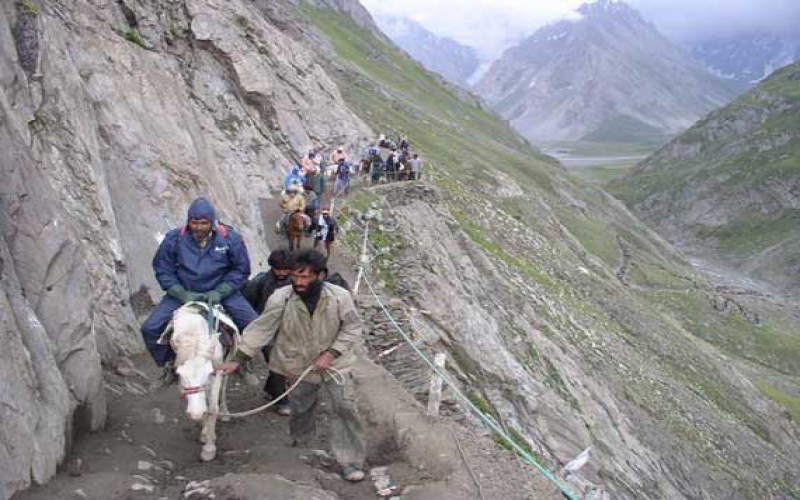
column 390, row 161
column 304, row 186
column 207, row 262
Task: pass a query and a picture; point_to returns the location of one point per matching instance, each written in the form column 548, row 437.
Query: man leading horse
column 203, row 261
column 315, row 326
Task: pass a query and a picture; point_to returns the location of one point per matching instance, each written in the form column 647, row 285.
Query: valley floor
column 598, row 163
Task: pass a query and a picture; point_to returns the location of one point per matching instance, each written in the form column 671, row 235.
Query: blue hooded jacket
column 180, row 261
column 295, row 176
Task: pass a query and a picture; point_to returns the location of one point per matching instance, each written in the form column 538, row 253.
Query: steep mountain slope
column 564, row 316
column 444, row 56
column 746, row 59
column 114, row 116
column 730, row 184
column 610, row 76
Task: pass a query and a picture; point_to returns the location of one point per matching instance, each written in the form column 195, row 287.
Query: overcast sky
column 492, row 25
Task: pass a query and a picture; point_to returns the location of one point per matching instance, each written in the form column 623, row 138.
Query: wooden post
column 435, row 397
column 363, row 261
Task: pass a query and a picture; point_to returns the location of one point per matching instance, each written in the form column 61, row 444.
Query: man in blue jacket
column 202, row 261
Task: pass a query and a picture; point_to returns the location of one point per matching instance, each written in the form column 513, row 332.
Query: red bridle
column 188, row 391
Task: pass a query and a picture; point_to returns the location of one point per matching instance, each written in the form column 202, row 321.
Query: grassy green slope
column 578, row 226
column 751, row 147
column 463, row 143
column 395, row 95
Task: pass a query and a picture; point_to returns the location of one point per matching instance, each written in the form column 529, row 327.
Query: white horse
column 198, row 352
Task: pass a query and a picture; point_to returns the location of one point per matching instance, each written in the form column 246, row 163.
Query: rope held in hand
column 333, row 373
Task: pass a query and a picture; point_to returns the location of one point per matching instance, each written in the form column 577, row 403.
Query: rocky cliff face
column 608, row 76
column 115, row 114
column 564, row 317
column 729, row 185
column 544, row 336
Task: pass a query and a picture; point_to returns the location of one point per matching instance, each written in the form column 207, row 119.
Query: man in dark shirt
column 257, row 291
column 201, row 261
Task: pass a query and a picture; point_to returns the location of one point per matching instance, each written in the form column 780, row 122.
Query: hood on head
column 201, row 208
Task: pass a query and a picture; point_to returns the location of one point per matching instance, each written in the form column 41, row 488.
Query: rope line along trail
column 486, row 419
column 490, row 422
column 526, row 456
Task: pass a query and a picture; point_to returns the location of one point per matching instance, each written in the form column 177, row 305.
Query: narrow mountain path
column 150, row 450
column 271, row 214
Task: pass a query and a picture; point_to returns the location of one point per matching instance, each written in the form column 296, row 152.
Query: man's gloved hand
column 222, row 292
column 185, row 295
column 214, row 297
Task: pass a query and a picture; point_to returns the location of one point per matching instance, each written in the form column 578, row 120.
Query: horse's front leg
column 208, row 437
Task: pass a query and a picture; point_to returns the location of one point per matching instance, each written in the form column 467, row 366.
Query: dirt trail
column 150, row 450
column 148, row 441
column 271, row 214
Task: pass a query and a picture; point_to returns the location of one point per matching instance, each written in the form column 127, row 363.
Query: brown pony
column 295, row 227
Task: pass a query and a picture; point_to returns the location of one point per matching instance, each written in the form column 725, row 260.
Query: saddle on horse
column 222, row 323
column 282, row 225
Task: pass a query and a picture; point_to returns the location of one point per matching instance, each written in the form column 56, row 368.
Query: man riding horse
column 202, row 261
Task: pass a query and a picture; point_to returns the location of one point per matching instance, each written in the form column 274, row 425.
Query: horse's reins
column 333, row 373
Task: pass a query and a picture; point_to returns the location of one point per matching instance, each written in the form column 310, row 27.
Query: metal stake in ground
column 435, row 397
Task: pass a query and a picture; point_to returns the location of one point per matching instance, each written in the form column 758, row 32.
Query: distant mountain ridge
column 609, row 76
column 748, row 58
column 445, row 56
column 731, row 183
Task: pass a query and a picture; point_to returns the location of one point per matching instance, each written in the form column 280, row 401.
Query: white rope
column 336, row 376
column 485, row 418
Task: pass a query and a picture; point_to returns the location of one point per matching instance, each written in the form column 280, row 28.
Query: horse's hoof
column 209, row 453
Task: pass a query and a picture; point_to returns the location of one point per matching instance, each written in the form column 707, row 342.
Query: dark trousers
column 347, row 439
column 276, row 383
column 240, row 311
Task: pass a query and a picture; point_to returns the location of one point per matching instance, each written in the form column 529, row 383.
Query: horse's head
column 194, row 349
